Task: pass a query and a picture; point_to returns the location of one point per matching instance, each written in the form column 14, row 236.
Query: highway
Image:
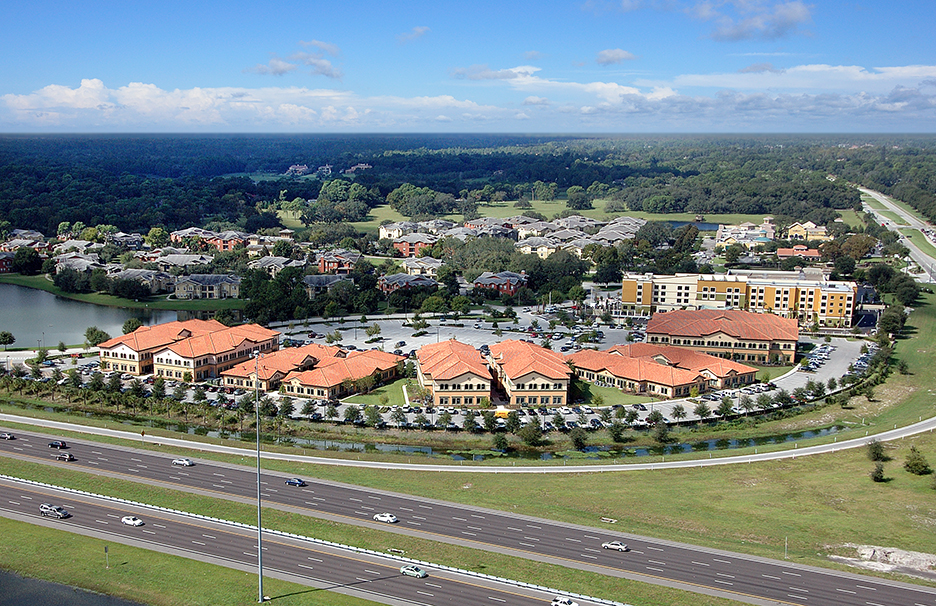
column 746, row 578
column 308, row 563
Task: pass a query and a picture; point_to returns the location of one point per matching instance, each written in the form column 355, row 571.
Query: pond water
column 35, row 316
column 16, row 591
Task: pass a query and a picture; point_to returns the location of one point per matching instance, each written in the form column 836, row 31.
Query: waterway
column 36, row 316
column 17, row 591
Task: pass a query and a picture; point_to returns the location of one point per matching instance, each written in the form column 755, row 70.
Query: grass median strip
column 566, row 579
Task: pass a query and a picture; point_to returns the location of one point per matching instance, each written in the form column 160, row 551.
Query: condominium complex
column 807, row 295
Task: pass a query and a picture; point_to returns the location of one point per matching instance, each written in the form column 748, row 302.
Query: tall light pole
column 259, row 525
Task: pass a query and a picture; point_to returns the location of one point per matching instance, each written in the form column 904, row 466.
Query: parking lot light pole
column 259, row 526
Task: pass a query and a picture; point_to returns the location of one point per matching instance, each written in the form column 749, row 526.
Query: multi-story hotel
column 808, row 295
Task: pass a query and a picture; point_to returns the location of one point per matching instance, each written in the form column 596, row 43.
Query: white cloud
column 533, row 55
column 329, row 48
column 483, row 72
column 416, row 32
column 532, row 100
column 320, row 66
column 276, row 67
column 757, row 68
column 815, row 77
column 613, row 55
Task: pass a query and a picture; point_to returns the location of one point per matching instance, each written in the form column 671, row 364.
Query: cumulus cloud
column 320, row 65
column 735, row 20
column 416, row 32
column 327, row 47
column 613, row 55
column 532, row 100
column 483, row 72
column 760, row 67
column 276, row 67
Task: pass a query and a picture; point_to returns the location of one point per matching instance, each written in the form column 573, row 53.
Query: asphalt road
column 741, row 577
column 363, row 575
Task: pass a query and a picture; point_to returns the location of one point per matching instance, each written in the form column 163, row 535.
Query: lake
column 36, row 315
column 16, row 591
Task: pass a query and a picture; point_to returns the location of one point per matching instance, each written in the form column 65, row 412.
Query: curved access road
column 737, row 576
column 791, row 453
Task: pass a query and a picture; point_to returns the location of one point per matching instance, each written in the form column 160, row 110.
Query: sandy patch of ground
column 890, row 559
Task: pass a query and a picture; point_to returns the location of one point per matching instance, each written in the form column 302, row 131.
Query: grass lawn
column 893, row 217
column 393, row 391
column 141, row 575
column 42, row 283
column 872, row 202
column 157, row 579
column 920, row 241
column 850, row 218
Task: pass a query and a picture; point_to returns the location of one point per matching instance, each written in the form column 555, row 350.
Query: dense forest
column 135, row 182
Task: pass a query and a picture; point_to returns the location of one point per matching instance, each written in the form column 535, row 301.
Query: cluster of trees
column 73, row 281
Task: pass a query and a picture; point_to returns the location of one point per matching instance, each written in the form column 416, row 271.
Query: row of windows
column 533, row 400
column 463, row 387
column 540, row 386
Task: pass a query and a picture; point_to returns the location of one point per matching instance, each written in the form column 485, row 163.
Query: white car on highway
column 561, row 601
column 389, row 518
column 184, row 462
column 616, row 545
column 131, row 521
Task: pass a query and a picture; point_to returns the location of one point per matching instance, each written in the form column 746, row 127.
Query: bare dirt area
column 889, row 559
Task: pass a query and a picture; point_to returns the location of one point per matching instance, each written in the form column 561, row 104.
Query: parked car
column 295, row 482
column 183, row 461
column 616, row 545
column 389, row 518
column 53, row 511
column 58, row 444
column 131, row 521
column 413, row 571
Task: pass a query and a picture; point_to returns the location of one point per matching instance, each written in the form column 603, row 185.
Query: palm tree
column 679, row 412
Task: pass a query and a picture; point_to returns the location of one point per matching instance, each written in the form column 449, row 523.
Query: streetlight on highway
column 256, row 356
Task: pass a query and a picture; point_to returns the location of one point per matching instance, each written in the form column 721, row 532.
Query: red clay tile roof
column 282, row 361
column 682, row 357
column 222, row 340
column 733, row 322
column 450, row 359
column 519, row 358
column 149, row 337
column 633, row 369
column 331, row 372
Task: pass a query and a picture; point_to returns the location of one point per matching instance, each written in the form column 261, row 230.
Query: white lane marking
column 148, row 531
column 182, row 473
column 373, row 497
column 873, row 604
column 413, row 523
column 479, row 517
column 311, row 503
column 250, row 553
column 723, row 582
column 593, row 550
column 370, row 571
column 17, row 448
column 527, row 544
column 637, row 551
column 419, row 517
column 208, row 536
column 585, row 555
column 770, row 577
column 425, row 593
column 512, row 528
column 406, row 509
column 158, row 525
column 433, row 585
column 722, row 561
column 472, row 534
column 95, row 452
column 797, row 597
column 868, row 588
column 654, row 548
column 532, row 526
column 795, row 574
column 355, row 500
column 174, row 478
column 657, row 562
column 22, row 496
column 101, row 521
column 198, row 542
column 575, row 540
column 364, row 580
column 700, row 563
column 143, row 466
column 846, row 591
column 133, row 470
column 798, row 589
column 137, row 460
column 531, row 538
column 657, row 569
column 425, row 507
column 368, row 508
column 722, row 574
column 305, row 566
column 318, row 498
column 219, row 485
column 112, row 515
column 592, row 538
column 220, row 475
column 93, row 463
column 226, row 481
column 474, row 528
column 459, row 519
column 313, row 559
column 15, row 502
column 495, row 599
column 307, row 490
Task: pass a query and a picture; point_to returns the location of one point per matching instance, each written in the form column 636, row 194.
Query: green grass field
column 893, row 217
column 920, row 241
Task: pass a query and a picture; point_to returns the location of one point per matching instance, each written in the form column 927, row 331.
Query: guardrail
column 298, row 537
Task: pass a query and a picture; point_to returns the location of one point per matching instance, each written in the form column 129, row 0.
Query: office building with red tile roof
column 132, row 353
column 530, row 375
column 273, row 367
column 455, row 373
column 727, row 333
column 205, row 356
column 333, row 378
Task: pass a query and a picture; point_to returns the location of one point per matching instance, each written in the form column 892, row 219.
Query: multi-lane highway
column 304, row 562
column 741, row 577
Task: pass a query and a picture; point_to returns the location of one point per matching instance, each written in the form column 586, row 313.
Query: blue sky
column 547, row 66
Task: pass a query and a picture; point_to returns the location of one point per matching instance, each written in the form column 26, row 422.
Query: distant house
column 505, row 282
column 40, row 246
column 808, row 231
column 274, row 265
column 6, row 262
column 392, row 231
column 339, row 261
column 228, row 240
column 411, row 245
column 422, row 266
column 541, row 247
column 394, row 282
column 127, row 241
column 799, row 250
column 167, row 262
column 156, row 281
column 321, row 283
column 208, row 286
column 83, row 264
